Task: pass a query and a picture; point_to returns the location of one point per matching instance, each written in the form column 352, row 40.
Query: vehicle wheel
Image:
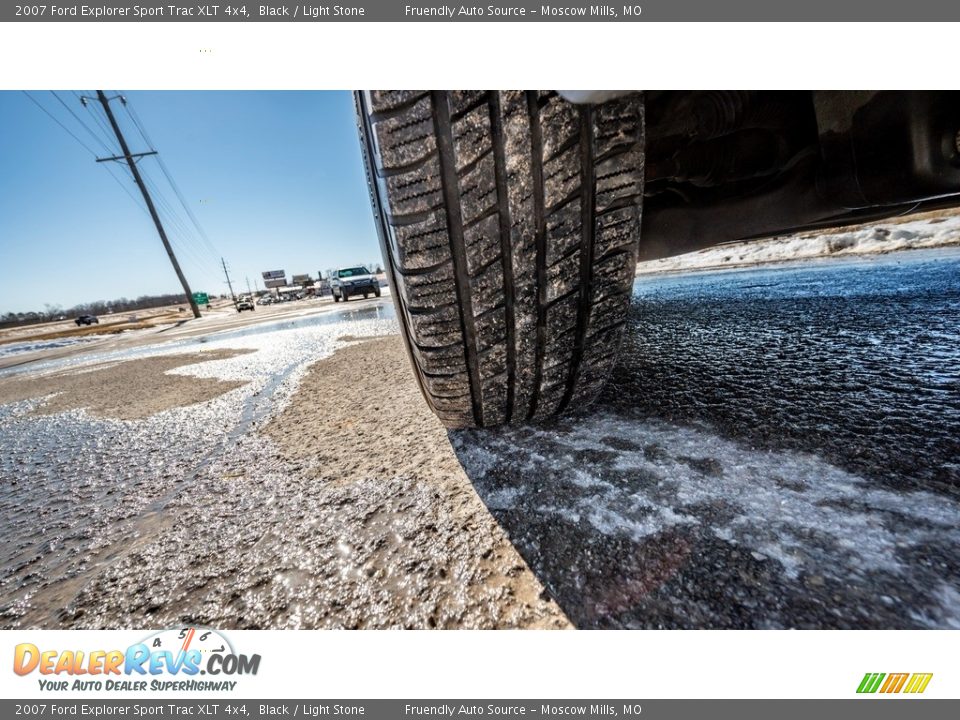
column 336, row 298
column 344, row 296
column 509, row 222
column 377, row 292
column 366, row 296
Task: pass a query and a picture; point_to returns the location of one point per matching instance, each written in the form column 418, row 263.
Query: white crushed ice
column 863, row 240
column 791, row 507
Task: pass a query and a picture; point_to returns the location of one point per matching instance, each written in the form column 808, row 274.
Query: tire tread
column 510, row 225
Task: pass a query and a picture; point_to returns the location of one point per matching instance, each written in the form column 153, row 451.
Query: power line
column 65, row 128
column 131, row 163
column 183, row 202
column 197, row 262
column 139, row 125
column 132, row 113
column 79, row 121
column 177, row 221
column 178, row 235
column 192, row 259
column 123, row 187
column 182, row 242
column 203, row 247
column 101, row 123
column 187, row 242
column 184, row 238
column 229, row 284
column 205, row 265
column 117, row 180
column 162, row 201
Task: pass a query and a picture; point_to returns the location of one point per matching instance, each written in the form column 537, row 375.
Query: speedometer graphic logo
column 205, row 640
column 203, row 650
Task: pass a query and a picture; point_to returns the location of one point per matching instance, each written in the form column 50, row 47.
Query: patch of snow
column 825, row 517
column 859, row 240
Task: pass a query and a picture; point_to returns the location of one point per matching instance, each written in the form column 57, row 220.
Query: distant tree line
column 98, row 307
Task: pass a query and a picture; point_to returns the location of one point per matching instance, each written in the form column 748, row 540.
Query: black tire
column 344, row 296
column 377, row 292
column 336, row 298
column 509, row 222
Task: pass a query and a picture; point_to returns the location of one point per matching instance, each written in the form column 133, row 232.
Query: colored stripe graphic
column 870, row 682
column 894, row 682
column 918, row 682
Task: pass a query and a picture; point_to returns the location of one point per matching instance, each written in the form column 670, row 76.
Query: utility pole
column 249, row 291
column 229, row 284
column 131, row 161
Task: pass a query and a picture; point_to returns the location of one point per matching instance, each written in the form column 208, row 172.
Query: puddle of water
column 18, row 348
column 81, row 492
column 380, row 311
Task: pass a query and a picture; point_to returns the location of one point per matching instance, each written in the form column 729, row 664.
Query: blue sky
column 274, row 178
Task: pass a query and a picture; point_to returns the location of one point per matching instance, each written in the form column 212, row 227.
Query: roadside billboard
column 274, row 274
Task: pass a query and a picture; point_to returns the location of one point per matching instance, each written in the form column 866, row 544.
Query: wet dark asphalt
column 778, row 447
column 857, row 361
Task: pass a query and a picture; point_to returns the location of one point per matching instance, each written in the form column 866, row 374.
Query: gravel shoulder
column 332, row 500
column 751, row 464
column 407, row 514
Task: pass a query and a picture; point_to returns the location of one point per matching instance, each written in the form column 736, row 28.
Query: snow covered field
column 930, row 230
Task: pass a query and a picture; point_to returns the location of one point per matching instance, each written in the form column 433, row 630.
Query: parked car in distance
column 87, row 320
column 353, row 281
column 265, row 300
column 245, row 303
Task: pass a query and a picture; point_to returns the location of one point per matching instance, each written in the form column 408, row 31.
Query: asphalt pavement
column 777, row 448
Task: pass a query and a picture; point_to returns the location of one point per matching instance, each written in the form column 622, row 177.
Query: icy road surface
column 777, row 448
column 246, row 477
